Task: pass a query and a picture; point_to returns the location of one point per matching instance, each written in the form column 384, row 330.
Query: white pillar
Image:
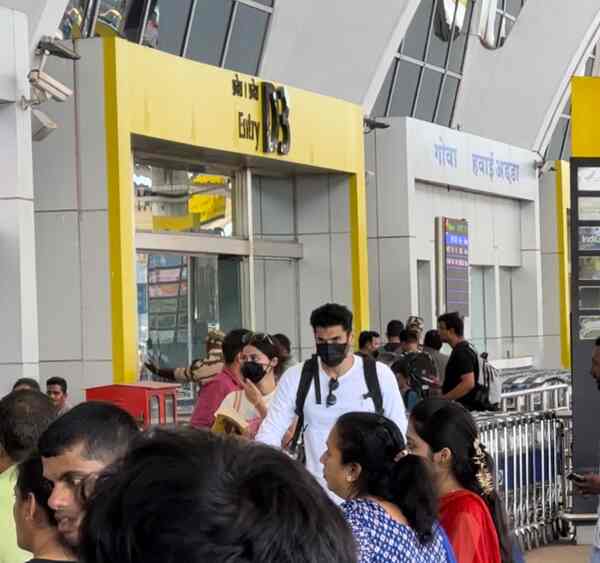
column 18, row 296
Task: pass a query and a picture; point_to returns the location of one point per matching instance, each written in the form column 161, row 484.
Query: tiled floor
column 560, row 554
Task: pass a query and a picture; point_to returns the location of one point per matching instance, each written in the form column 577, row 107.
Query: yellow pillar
column 121, row 226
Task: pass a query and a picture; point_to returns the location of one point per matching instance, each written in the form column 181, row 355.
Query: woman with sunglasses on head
column 242, row 411
column 390, row 503
column 471, row 511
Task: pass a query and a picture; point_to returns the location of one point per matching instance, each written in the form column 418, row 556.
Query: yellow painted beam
column 585, row 116
column 563, row 203
column 360, row 257
column 121, row 228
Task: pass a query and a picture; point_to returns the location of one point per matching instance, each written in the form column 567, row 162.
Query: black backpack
column 310, row 374
column 422, row 372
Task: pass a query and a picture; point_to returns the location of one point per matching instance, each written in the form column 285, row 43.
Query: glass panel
column 589, row 238
column 447, row 101
column 169, row 409
column 588, row 179
column 589, row 208
column 459, row 45
column 513, row 7
column 169, row 200
column 204, row 291
column 166, row 25
column 154, row 410
column 247, row 38
column 556, row 143
column 589, row 327
column 112, row 14
column 428, row 94
column 70, row 25
column 381, row 103
column 438, row 47
column 589, row 66
column 265, row 2
column 589, row 268
column 405, row 89
column 209, row 31
column 230, row 292
column 415, row 39
column 589, row 297
column 478, row 334
column 566, row 149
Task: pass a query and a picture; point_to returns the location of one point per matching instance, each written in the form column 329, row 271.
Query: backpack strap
column 372, row 381
column 310, row 373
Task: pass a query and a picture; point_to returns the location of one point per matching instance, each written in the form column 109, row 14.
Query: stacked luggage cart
column 530, row 442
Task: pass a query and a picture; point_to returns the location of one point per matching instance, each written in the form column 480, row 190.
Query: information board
column 456, row 264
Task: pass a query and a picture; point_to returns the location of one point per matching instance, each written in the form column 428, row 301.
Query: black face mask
column 332, row 355
column 253, row 371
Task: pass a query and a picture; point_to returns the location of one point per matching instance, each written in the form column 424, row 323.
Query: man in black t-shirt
column 462, row 370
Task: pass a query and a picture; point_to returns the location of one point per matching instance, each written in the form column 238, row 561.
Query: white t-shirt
column 320, row 419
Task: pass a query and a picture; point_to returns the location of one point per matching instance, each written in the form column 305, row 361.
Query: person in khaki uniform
column 201, row 371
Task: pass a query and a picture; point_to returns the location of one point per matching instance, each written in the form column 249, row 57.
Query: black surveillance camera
column 52, row 47
column 371, row 124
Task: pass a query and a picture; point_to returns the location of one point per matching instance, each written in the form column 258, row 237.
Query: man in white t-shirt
column 590, row 484
column 343, row 388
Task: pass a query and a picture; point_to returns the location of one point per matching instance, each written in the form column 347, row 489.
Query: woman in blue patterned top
column 390, row 501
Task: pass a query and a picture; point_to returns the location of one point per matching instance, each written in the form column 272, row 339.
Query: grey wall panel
column 314, row 280
column 341, row 269
column 259, row 295
column 54, row 158
column 59, row 289
column 277, row 206
column 374, row 285
column 312, row 204
column 95, row 287
column 91, row 127
column 281, row 298
column 339, row 202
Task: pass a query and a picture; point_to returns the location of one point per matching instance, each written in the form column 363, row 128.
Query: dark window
column 384, row 94
column 428, row 94
column 247, row 36
column 459, row 44
column 447, row 101
column 172, row 19
column 438, row 46
column 209, row 31
column 405, row 89
column 415, row 39
column 556, row 144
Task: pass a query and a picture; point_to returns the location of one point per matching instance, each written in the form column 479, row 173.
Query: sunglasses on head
column 257, row 337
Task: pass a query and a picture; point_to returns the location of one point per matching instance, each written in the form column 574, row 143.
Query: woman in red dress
column 471, row 511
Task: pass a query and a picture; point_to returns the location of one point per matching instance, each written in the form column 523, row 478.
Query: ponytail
column 377, row 445
column 413, row 492
column 447, row 424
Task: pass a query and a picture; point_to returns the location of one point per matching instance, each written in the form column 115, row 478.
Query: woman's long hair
column 387, row 472
column 447, row 424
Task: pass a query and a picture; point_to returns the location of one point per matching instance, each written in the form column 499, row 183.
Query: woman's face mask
column 253, row 371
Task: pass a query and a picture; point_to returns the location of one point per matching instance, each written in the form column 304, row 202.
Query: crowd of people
column 370, row 457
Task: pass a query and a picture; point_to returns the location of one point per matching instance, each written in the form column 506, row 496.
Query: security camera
column 369, row 124
column 41, row 125
column 49, row 86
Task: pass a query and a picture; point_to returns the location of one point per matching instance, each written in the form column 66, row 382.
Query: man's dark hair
column 233, row 343
column 453, row 322
column 28, row 382
column 394, row 328
column 597, row 343
column 433, row 340
column 366, row 337
column 24, row 416
column 284, row 342
column 104, row 431
column 231, row 500
column 409, row 336
column 58, row 381
column 330, row 315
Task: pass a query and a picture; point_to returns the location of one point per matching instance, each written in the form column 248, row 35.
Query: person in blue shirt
column 390, row 502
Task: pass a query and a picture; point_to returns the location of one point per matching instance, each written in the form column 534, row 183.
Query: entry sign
column 456, row 265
